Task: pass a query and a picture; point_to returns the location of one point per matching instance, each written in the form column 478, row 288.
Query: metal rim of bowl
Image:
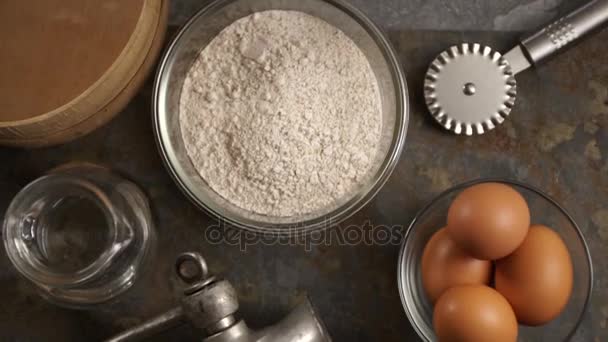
column 397, row 143
column 401, row 274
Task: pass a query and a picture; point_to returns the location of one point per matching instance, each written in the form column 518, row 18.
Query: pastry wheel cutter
column 470, row 88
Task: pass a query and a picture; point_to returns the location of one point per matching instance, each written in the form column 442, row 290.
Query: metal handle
column 158, row 324
column 564, row 31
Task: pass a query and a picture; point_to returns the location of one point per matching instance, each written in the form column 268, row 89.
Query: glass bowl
column 199, row 31
column 545, row 211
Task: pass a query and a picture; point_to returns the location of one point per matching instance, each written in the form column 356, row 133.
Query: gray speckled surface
column 556, row 139
column 477, row 15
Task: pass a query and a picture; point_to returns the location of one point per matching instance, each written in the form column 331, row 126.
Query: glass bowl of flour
column 281, row 117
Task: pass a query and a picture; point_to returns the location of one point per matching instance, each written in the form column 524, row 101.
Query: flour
column 281, row 114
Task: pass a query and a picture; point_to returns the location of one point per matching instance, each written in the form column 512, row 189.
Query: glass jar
column 81, row 234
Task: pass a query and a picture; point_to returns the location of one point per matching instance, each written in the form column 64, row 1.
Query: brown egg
column 474, row 313
column 445, row 265
column 537, row 278
column 489, row 220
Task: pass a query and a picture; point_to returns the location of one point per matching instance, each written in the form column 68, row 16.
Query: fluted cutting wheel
column 470, row 89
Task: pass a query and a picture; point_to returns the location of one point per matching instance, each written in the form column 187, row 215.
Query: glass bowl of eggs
column 494, row 260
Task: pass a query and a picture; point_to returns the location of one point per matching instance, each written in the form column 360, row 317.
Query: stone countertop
column 556, row 139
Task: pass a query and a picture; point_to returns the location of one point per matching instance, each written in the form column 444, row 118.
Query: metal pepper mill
column 210, row 303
